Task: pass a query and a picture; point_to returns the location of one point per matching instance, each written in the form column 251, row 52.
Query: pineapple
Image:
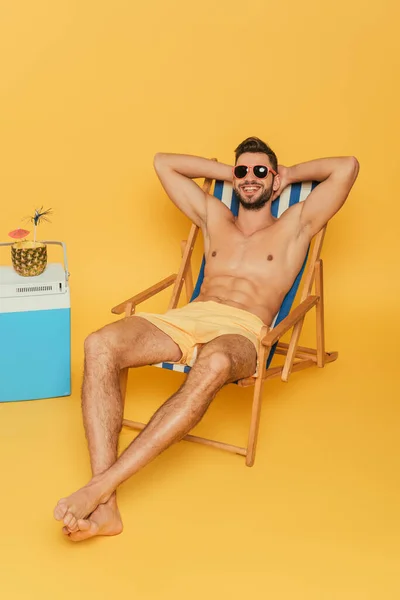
column 29, row 258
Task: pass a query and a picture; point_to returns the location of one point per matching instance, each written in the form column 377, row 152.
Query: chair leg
column 291, row 353
column 256, row 409
column 124, row 381
column 123, row 376
column 319, row 290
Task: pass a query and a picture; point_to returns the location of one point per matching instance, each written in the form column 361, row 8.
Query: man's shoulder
column 292, row 213
column 216, row 208
column 290, row 219
column 290, row 222
column 217, row 215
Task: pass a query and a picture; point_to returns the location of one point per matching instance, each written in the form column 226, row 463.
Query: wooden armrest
column 277, row 332
column 142, row 296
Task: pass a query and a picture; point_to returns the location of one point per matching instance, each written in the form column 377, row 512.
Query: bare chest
column 273, row 253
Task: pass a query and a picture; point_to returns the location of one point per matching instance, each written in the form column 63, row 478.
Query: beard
column 258, row 204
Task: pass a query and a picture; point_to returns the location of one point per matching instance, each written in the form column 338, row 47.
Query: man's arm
column 337, row 176
column 176, row 172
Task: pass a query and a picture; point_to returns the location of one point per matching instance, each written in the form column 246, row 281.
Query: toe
column 70, row 521
column 68, row 518
column 84, row 524
column 60, row 510
column 79, row 536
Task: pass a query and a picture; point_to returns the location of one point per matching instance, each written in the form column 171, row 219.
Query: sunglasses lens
column 260, row 171
column 240, row 171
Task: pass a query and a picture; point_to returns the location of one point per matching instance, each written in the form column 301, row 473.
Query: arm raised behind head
column 336, row 177
column 176, row 173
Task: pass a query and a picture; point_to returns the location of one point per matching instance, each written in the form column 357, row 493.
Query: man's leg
column 225, row 359
column 129, row 342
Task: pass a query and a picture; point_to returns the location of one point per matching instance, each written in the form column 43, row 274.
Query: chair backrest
column 297, row 192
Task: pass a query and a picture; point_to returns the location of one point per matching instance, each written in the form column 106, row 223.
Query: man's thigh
column 136, row 342
column 240, row 351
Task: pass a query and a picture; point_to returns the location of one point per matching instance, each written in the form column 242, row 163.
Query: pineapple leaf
column 40, row 215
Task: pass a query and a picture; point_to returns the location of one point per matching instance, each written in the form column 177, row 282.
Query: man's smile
column 250, row 189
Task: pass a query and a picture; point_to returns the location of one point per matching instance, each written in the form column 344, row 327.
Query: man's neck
column 251, row 221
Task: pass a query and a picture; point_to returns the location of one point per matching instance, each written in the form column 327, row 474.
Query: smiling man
column 251, row 263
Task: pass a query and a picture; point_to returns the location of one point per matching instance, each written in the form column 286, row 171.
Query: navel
column 270, row 257
column 214, row 253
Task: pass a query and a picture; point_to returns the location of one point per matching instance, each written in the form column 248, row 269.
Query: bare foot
column 105, row 520
column 82, row 503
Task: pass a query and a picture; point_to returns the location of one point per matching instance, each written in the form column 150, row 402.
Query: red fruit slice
column 17, row 234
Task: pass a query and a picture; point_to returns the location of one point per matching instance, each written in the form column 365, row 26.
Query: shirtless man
column 252, row 261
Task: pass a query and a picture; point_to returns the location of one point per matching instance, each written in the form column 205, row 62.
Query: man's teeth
column 250, row 188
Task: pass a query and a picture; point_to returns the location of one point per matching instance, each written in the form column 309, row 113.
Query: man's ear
column 277, row 183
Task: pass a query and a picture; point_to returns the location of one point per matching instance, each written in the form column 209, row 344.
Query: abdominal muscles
column 240, row 292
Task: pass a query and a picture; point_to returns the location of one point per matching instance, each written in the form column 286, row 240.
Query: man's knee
column 217, row 363
column 95, row 342
column 105, row 340
column 236, row 358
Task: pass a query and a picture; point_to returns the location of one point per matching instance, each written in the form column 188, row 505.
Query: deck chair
column 296, row 357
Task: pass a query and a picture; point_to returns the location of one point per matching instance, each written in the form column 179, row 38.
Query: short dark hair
column 254, row 144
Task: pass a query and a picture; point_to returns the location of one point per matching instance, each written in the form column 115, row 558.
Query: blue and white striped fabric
column 297, row 192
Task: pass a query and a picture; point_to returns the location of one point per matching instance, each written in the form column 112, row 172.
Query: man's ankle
column 112, row 501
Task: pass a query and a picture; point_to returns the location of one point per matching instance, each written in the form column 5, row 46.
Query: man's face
column 253, row 193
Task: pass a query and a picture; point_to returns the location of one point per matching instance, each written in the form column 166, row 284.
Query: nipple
column 214, row 253
column 270, row 257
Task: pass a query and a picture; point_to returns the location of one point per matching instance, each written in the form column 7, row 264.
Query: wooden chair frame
column 297, row 357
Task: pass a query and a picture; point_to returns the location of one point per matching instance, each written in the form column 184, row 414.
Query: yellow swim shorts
column 200, row 322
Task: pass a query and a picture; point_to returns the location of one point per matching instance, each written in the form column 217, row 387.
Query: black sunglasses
column 260, row 171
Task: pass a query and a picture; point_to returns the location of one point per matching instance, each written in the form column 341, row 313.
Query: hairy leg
column 225, row 359
column 130, row 342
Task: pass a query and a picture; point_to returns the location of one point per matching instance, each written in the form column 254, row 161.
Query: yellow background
column 89, row 92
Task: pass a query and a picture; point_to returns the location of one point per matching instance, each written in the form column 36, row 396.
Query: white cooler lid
column 52, row 272
column 48, row 290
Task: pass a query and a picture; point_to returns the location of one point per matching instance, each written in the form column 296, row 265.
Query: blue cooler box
column 35, row 333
